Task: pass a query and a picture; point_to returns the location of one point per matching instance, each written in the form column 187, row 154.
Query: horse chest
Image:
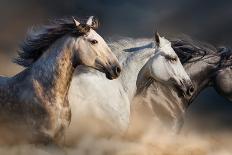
column 56, row 105
column 60, row 117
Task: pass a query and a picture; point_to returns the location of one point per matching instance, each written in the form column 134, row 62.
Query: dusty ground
column 144, row 137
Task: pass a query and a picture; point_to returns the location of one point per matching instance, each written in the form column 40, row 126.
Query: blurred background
column 208, row 20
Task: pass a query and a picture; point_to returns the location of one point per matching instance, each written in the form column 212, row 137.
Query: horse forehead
column 165, row 46
column 164, row 41
column 167, row 49
column 94, row 35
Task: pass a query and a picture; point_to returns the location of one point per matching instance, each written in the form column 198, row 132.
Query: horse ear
column 75, row 21
column 93, row 22
column 157, row 38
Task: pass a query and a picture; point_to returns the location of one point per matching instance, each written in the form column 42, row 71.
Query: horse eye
column 172, row 59
column 93, row 41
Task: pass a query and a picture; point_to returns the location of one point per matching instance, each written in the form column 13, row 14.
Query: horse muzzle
column 185, row 88
column 113, row 72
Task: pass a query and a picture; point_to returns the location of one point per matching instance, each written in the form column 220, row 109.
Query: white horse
column 92, row 95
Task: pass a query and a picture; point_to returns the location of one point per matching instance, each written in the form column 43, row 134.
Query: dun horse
column 155, row 59
column 34, row 102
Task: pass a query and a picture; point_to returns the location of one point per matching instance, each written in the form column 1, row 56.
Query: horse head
column 166, row 68
column 93, row 51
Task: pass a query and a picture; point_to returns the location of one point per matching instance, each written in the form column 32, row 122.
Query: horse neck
column 131, row 67
column 144, row 80
column 165, row 104
column 52, row 73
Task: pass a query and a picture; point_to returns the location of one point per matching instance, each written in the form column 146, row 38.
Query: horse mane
column 226, row 54
column 39, row 39
column 128, row 44
column 134, row 48
column 187, row 48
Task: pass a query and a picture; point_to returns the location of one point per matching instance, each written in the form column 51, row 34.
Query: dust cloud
column 145, row 136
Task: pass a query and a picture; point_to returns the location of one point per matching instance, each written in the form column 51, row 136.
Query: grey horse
column 206, row 67
column 34, row 106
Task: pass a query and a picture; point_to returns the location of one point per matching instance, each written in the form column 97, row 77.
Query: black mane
column 226, row 56
column 39, row 39
column 186, row 48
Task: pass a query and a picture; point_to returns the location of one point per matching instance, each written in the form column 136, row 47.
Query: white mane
column 128, row 49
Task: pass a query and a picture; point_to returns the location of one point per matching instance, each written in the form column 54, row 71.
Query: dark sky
column 207, row 20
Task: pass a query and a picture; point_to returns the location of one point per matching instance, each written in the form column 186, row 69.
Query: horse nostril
column 190, row 90
column 117, row 70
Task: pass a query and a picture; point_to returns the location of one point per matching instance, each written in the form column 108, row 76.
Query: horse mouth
column 183, row 91
column 179, row 88
column 183, row 88
column 110, row 77
column 111, row 70
column 109, row 73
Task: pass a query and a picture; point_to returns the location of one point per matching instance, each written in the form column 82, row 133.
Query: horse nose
column 113, row 72
column 190, row 90
column 117, row 70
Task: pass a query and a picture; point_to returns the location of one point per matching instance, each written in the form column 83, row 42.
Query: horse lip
column 107, row 69
column 186, row 87
column 110, row 75
column 113, row 71
column 181, row 89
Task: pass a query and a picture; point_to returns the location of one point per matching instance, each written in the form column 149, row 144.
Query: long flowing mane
column 39, row 39
column 133, row 48
column 186, row 48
